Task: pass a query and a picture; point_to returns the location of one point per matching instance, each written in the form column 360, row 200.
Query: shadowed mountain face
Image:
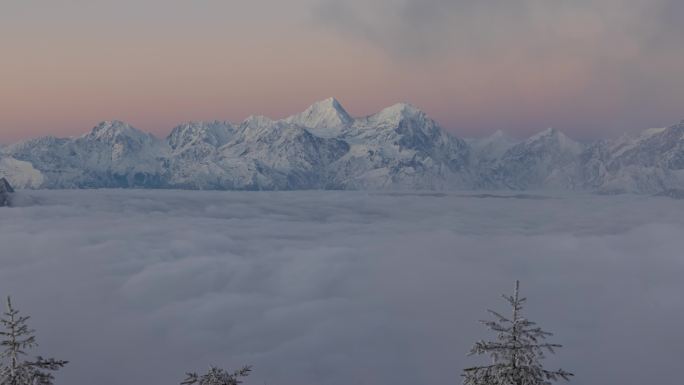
column 114, row 154
column 323, row 147
column 545, row 160
column 5, row 191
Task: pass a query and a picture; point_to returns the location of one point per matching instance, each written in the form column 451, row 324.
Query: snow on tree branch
column 16, row 338
column 217, row 376
column 516, row 353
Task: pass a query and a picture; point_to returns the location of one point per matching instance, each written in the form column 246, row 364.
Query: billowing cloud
column 136, row 287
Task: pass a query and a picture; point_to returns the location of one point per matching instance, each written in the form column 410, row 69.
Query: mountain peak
column 547, row 132
column 111, row 125
column 325, row 117
column 254, row 121
column 399, row 111
column 492, row 146
column 498, row 135
column 215, row 133
column 331, row 101
column 329, row 104
column 556, row 136
column 111, row 129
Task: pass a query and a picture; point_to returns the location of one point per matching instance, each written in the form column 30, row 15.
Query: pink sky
column 592, row 70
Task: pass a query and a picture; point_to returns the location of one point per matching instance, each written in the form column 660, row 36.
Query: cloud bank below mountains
column 136, row 287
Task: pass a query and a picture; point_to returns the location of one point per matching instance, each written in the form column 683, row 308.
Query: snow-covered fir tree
column 217, row 376
column 516, row 353
column 16, row 338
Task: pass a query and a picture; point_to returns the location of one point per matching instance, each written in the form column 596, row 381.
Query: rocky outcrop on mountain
column 113, row 154
column 490, row 148
column 400, row 147
column 20, row 174
column 6, row 192
column 548, row 159
column 650, row 162
column 326, row 119
column 193, row 155
column 278, row 155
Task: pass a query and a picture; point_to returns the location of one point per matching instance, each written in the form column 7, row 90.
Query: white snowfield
column 19, row 173
column 399, row 148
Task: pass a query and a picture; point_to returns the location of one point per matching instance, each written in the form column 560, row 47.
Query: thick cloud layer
column 137, row 287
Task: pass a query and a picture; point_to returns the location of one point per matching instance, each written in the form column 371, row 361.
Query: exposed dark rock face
column 5, row 192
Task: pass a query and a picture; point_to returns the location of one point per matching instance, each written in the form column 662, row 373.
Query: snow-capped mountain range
column 323, row 147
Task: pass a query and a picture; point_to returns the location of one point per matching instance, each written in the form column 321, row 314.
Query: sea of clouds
column 138, row 287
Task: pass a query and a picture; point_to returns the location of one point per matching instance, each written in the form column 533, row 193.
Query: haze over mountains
column 323, row 147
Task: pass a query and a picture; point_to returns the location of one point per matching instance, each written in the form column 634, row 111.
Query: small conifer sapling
column 217, row 376
column 17, row 337
column 516, row 353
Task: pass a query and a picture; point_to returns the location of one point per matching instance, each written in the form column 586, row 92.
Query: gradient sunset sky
column 592, row 68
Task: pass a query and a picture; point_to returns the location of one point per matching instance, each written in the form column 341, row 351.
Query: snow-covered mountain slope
column 491, row 147
column 400, row 147
column 548, row 159
column 193, row 152
column 323, row 147
column 194, row 136
column 326, row 119
column 20, row 174
column 280, row 155
column 113, row 154
column 650, row 162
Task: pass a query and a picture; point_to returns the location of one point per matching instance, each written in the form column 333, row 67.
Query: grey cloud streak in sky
column 419, row 27
column 407, row 28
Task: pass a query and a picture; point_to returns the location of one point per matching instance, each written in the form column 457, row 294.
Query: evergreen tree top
column 16, row 337
column 218, row 376
column 517, row 351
